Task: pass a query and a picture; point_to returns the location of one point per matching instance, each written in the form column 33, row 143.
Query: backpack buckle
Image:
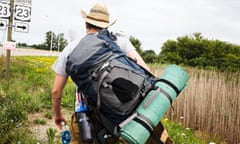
column 106, row 64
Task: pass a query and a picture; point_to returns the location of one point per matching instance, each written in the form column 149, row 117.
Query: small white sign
column 3, row 24
column 5, row 10
column 8, row 45
column 21, row 27
column 22, row 13
column 7, row 1
column 23, row 2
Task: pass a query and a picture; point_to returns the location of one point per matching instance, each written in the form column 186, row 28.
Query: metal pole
column 9, row 38
column 51, row 43
column 58, row 44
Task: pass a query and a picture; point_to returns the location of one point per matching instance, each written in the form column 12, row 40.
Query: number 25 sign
column 22, row 13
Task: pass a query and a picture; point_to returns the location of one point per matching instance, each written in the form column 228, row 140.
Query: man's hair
column 91, row 26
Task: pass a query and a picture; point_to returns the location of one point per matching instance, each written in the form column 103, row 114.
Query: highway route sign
column 3, row 24
column 21, row 27
column 22, row 13
column 5, row 10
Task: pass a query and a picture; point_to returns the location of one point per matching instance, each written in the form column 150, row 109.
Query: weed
column 52, row 137
column 39, row 121
column 48, row 115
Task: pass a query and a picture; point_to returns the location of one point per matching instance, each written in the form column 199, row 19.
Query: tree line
column 53, row 41
column 193, row 50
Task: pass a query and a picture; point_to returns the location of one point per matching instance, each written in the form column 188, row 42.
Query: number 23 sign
column 22, row 13
column 4, row 10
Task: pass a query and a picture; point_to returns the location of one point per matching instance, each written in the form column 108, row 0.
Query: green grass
column 181, row 135
column 29, row 90
column 39, row 121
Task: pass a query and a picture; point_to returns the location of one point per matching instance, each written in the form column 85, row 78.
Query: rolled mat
column 152, row 109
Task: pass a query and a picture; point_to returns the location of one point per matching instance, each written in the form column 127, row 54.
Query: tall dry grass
column 210, row 103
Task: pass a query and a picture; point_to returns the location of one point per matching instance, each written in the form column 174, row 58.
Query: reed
column 210, row 103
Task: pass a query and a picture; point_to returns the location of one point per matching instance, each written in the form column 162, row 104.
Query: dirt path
column 40, row 130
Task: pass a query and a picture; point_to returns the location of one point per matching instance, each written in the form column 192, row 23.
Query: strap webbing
column 170, row 84
column 114, row 130
column 148, row 127
column 140, row 121
column 155, row 93
column 103, row 75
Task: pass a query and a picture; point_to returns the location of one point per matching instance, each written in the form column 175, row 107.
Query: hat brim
column 97, row 23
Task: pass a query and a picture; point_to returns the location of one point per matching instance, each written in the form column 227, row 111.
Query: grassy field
column 211, row 103
column 27, row 91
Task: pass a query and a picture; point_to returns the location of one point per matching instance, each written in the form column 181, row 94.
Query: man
column 96, row 20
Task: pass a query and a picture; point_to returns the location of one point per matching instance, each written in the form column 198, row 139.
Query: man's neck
column 89, row 31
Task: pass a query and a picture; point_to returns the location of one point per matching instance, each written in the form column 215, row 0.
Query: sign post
column 9, row 38
column 18, row 11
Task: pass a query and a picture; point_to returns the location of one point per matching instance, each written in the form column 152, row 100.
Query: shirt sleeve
column 125, row 44
column 59, row 65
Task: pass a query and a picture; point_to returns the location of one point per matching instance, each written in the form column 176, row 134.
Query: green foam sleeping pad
column 152, row 109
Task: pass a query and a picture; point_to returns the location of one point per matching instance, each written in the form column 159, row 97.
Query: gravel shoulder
column 29, row 52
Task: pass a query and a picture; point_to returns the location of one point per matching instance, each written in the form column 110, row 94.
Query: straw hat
column 98, row 16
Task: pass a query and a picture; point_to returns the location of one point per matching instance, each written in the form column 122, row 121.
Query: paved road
column 29, row 52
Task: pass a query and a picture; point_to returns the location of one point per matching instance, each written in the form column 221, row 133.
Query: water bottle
column 65, row 134
column 85, row 124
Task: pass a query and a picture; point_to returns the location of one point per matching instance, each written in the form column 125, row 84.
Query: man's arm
column 126, row 45
column 135, row 56
column 58, row 85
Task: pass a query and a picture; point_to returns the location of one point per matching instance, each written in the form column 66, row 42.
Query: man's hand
column 59, row 119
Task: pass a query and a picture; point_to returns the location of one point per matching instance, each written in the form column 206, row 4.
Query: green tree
column 149, row 56
column 61, row 42
column 50, row 40
column 169, row 53
column 198, row 51
column 55, row 42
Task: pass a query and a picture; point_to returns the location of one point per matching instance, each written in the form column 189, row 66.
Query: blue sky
column 152, row 22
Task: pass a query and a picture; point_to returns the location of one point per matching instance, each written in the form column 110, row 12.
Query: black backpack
column 111, row 81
